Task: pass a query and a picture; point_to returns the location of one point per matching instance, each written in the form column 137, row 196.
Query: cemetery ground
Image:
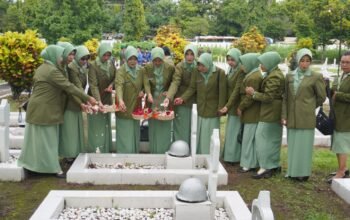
column 289, row 199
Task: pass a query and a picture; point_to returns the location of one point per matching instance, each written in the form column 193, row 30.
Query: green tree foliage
column 3, row 8
column 158, row 13
column 134, row 22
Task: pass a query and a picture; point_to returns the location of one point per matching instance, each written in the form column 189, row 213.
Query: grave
column 342, row 188
column 9, row 171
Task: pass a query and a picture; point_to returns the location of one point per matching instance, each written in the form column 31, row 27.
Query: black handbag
column 144, row 131
column 324, row 122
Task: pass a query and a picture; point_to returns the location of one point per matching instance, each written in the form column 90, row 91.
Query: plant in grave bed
column 19, row 57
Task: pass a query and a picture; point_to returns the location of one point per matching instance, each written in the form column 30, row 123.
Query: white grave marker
column 4, row 130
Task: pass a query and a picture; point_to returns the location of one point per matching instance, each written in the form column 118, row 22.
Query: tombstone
column 4, row 130
column 261, row 207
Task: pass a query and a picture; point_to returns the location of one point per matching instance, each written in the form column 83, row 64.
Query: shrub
column 170, row 36
column 92, row 46
column 19, row 57
column 251, row 42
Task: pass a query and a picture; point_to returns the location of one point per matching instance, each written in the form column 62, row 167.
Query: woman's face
column 157, row 62
column 232, row 62
column 189, row 56
column 132, row 62
column 345, row 64
column 106, row 56
column 83, row 61
column 263, row 68
column 71, row 56
column 305, row 62
column 201, row 68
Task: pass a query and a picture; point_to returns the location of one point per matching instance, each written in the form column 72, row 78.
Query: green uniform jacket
column 271, row 96
column 79, row 80
column 99, row 81
column 181, row 81
column 47, row 102
column 128, row 88
column 233, row 87
column 250, row 108
column 342, row 106
column 211, row 97
column 149, row 79
column 299, row 108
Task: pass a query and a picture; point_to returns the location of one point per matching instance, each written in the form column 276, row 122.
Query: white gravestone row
column 4, row 130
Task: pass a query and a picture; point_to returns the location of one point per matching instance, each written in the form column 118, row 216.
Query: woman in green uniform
column 45, row 113
column 305, row 91
column 157, row 79
column 72, row 130
column 232, row 148
column 249, row 110
column 181, row 81
column 341, row 100
column 268, row 136
column 129, row 85
column 209, row 85
column 101, row 79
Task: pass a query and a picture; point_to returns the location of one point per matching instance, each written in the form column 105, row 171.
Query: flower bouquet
column 163, row 114
column 141, row 113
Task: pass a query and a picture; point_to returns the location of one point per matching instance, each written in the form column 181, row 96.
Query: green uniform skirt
column 300, row 146
column 128, row 135
column 205, row 127
column 248, row 153
column 268, row 139
column 40, row 149
column 159, row 136
column 99, row 133
column 71, row 138
column 232, row 149
column 182, row 123
column 341, row 142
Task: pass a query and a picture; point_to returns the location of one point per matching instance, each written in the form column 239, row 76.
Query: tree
column 159, row 13
column 3, row 8
column 134, row 22
column 13, row 20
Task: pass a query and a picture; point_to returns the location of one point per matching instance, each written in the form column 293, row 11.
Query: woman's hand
column 223, row 110
column 109, row 89
column 122, row 105
column 283, row 122
column 150, row 98
column 166, row 102
column 249, row 90
column 239, row 112
column 178, row 101
column 92, row 100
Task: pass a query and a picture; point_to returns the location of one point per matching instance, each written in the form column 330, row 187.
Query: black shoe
column 335, row 172
column 330, row 179
column 300, row 178
column 276, row 170
column 245, row 170
column 266, row 174
column 61, row 175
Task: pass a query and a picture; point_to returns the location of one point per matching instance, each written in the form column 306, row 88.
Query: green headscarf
column 207, row 60
column 270, row 60
column 52, row 54
column 298, row 73
column 102, row 49
column 82, row 51
column 68, row 48
column 158, row 52
column 130, row 52
column 194, row 49
column 234, row 53
column 250, row 62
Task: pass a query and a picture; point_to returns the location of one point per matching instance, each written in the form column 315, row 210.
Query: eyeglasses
column 345, row 63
